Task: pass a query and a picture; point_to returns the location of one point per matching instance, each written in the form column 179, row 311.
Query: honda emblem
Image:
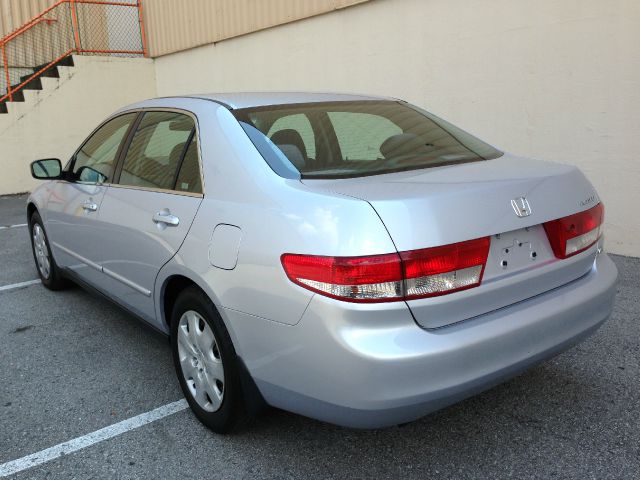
column 521, row 207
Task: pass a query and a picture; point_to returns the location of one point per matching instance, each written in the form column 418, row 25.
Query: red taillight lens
column 571, row 235
column 450, row 268
column 376, row 278
column 392, row 277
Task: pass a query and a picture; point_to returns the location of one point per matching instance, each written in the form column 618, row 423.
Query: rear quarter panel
column 275, row 216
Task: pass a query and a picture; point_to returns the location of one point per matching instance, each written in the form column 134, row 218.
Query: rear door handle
column 90, row 206
column 166, row 218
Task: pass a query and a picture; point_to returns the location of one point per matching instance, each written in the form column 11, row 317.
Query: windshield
column 353, row 139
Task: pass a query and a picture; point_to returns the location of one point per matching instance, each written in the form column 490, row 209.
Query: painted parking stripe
column 92, row 438
column 6, row 227
column 18, row 285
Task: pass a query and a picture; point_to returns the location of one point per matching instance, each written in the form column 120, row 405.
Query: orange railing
column 68, row 27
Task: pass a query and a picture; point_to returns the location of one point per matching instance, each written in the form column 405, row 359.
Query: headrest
column 184, row 124
column 293, row 153
column 174, row 156
column 289, row 136
column 401, row 144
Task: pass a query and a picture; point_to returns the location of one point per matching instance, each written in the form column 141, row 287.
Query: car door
column 73, row 208
column 149, row 210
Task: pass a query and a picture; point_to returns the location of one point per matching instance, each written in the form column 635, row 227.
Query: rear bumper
column 358, row 366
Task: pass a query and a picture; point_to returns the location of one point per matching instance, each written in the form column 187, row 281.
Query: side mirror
column 47, row 169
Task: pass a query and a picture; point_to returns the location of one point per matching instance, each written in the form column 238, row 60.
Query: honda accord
column 353, row 259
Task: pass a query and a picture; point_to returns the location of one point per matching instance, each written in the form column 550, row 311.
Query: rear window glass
column 301, row 125
column 360, row 135
column 352, row 139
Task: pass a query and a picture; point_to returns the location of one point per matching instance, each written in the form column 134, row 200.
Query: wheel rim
column 41, row 251
column 200, row 361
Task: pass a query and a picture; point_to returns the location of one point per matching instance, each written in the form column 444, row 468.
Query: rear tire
column 48, row 270
column 206, row 363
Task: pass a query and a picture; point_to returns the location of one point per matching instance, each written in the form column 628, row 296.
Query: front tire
column 205, row 362
column 48, row 270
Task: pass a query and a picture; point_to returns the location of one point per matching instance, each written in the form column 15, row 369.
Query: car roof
column 260, row 99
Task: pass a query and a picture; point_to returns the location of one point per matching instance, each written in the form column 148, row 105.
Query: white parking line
column 18, row 285
column 13, row 226
column 92, row 438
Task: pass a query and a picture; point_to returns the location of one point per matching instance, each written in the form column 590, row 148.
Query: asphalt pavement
column 72, row 363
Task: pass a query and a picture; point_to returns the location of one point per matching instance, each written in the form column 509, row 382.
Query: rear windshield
column 354, row 139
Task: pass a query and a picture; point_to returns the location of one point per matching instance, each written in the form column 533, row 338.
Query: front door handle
column 165, row 217
column 90, row 206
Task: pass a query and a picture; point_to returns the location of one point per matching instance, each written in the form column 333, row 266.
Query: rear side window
column 189, row 173
column 94, row 161
column 156, row 150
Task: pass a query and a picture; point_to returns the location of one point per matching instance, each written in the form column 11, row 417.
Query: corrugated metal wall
column 14, row 13
column 174, row 25
column 45, row 42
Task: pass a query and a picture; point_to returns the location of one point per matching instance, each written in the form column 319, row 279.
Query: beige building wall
column 554, row 80
column 174, row 25
column 557, row 80
column 52, row 122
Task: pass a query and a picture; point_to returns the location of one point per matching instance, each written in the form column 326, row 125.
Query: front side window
column 94, row 161
column 156, row 150
column 360, row 138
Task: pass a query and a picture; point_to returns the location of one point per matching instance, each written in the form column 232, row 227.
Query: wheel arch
column 31, row 209
column 170, row 283
column 171, row 286
column 171, row 289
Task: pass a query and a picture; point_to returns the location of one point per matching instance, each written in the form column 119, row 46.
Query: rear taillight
column 376, row 278
column 571, row 235
column 439, row 270
column 392, row 277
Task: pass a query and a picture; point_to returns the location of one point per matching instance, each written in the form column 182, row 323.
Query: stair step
column 66, row 62
column 34, row 84
column 18, row 96
column 51, row 72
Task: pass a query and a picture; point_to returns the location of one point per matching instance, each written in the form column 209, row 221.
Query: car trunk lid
column 445, row 205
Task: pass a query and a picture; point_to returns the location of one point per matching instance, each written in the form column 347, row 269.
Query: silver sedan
column 354, row 259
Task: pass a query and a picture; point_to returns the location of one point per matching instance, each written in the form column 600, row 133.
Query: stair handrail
column 40, row 18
